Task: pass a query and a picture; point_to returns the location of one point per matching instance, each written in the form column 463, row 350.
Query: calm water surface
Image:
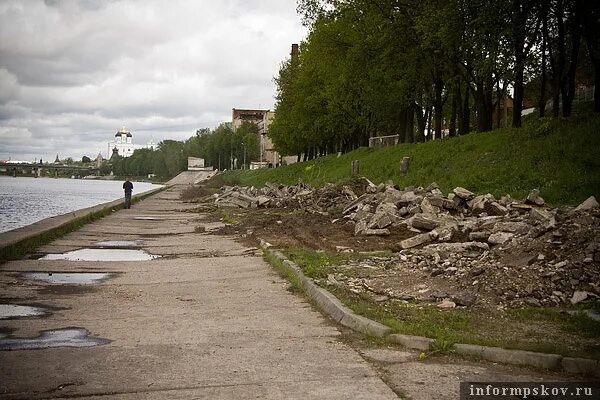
column 24, row 201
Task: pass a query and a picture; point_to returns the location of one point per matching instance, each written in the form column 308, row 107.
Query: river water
column 24, row 201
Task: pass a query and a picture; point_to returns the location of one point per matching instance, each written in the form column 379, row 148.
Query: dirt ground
column 538, row 273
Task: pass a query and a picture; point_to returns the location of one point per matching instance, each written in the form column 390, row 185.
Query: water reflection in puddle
column 68, row 337
column 148, row 218
column 102, row 255
column 63, row 278
column 8, row 311
column 119, row 243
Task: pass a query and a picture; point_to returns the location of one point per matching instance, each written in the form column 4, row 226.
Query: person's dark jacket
column 128, row 186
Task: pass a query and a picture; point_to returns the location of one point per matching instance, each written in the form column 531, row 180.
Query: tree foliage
column 221, row 148
column 422, row 68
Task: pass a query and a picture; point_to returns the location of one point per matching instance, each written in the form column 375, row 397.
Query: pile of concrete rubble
column 522, row 252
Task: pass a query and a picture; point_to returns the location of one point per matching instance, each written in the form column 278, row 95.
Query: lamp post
column 244, row 165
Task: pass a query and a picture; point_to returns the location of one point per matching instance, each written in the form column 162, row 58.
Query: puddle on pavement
column 67, row 337
column 9, row 311
column 148, row 218
column 102, row 255
column 116, row 244
column 67, row 278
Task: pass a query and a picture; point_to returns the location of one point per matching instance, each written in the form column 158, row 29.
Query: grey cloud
column 72, row 72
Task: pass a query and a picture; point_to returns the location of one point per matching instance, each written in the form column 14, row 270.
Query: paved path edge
column 48, row 226
column 334, row 308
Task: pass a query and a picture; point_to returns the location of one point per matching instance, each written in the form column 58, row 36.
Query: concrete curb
column 343, row 315
column 52, row 224
column 332, row 305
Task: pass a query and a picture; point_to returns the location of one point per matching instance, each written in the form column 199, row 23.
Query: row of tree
column 414, row 67
column 222, row 148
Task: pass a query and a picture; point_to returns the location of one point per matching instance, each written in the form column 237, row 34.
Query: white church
column 123, row 144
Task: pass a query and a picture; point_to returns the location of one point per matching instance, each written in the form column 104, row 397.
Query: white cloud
column 73, row 71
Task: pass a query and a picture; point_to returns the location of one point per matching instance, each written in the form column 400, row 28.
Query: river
column 24, row 201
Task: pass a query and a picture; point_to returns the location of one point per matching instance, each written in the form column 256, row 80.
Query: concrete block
column 376, row 232
column 411, row 342
column 425, row 222
column 330, row 304
column 463, row 193
column 416, row 241
column 589, row 204
column 469, row 349
column 521, row 357
column 584, row 366
column 364, row 325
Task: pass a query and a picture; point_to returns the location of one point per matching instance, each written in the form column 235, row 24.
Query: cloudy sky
column 72, row 72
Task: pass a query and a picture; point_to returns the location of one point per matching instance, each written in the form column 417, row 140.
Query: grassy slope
column 559, row 157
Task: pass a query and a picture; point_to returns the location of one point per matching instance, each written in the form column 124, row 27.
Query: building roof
column 123, row 131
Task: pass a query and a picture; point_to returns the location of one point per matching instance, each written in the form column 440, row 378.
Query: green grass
column 284, row 272
column 534, row 329
column 542, row 331
column 314, row 264
column 559, row 157
column 317, row 264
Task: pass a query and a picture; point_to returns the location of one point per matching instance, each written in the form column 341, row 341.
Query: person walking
column 128, row 187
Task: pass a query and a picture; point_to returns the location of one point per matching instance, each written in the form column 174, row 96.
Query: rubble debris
column 417, row 240
column 447, row 304
column 578, row 297
column 589, row 204
column 463, row 193
column 483, row 252
column 535, row 198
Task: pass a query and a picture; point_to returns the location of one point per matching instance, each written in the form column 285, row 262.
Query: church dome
column 123, row 131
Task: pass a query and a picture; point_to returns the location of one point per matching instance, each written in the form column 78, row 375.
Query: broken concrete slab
column 589, row 204
column 500, row 237
column 417, row 240
column 423, row 221
column 463, row 193
column 534, row 198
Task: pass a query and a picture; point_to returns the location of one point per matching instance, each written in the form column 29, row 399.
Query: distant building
column 261, row 118
column 197, row 164
column 123, row 144
column 99, row 160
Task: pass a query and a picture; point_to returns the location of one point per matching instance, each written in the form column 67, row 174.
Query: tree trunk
column 590, row 18
column 568, row 83
column 402, row 125
column 459, row 114
column 485, row 105
column 465, row 126
column 421, row 123
column 560, row 64
column 454, row 111
column 429, row 124
column 519, row 92
column 439, row 108
column 542, row 103
column 410, row 124
column 596, row 83
column 519, row 26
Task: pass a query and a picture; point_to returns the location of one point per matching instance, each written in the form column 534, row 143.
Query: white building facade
column 123, row 144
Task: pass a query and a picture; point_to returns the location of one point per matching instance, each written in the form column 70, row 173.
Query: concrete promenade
column 209, row 319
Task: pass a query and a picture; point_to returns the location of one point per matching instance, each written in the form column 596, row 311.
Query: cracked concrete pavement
column 208, row 319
